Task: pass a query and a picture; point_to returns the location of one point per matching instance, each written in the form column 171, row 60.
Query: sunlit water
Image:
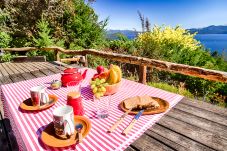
column 214, row 42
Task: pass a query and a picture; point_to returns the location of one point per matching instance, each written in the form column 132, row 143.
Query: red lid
column 70, row 70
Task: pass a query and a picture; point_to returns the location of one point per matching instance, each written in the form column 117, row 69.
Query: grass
column 171, row 88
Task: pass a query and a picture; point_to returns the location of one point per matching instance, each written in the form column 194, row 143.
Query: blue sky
column 187, row 13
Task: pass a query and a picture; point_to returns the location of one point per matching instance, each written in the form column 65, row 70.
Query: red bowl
column 111, row 89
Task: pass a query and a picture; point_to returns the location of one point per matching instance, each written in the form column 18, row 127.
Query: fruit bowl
column 113, row 88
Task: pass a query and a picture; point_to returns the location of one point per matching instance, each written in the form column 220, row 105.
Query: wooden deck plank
column 14, row 70
column 20, row 68
column 148, row 143
column 37, row 74
column 60, row 65
column 55, row 70
column 7, row 69
column 175, row 140
column 27, row 76
column 6, row 80
column 198, row 134
column 203, row 113
column 199, row 122
column 17, row 77
column 3, row 71
column 165, row 141
column 29, row 67
column 47, row 72
column 46, row 65
column 129, row 149
column 206, row 106
column 33, row 65
column 1, row 75
column 37, row 65
column 51, row 67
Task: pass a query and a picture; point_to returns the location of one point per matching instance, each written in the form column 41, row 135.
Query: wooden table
column 190, row 125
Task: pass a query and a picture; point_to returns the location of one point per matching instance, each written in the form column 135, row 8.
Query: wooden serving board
column 164, row 105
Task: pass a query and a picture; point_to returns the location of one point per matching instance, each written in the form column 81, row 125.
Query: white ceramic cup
column 38, row 96
column 63, row 119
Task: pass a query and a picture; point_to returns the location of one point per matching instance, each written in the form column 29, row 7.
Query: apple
column 104, row 75
column 100, row 69
column 95, row 76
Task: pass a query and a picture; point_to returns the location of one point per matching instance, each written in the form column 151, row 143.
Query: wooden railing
column 142, row 62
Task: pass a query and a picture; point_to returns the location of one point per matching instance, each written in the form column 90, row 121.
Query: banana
column 119, row 72
column 113, row 77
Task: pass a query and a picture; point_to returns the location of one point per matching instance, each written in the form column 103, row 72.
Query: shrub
column 162, row 42
column 5, row 39
column 7, row 57
column 44, row 38
column 122, row 45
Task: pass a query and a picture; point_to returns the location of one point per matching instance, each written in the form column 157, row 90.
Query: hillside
column 111, row 34
column 222, row 29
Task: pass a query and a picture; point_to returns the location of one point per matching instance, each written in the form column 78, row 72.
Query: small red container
column 74, row 99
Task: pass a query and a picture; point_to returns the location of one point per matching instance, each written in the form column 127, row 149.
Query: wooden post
column 57, row 55
column 83, row 60
column 143, row 74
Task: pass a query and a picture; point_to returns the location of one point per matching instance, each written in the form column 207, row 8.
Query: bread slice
column 141, row 102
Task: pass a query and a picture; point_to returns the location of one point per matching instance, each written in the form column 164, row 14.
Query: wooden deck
column 190, row 125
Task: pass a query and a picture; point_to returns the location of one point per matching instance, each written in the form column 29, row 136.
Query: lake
column 214, row 42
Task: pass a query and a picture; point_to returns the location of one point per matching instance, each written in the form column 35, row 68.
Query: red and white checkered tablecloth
column 27, row 126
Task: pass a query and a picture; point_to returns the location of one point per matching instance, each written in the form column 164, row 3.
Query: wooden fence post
column 143, row 74
column 57, row 55
column 83, row 60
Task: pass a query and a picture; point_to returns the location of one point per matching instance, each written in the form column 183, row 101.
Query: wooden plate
column 164, row 105
column 49, row 137
column 27, row 104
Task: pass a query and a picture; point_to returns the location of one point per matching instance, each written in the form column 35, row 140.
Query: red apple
column 95, row 76
column 100, row 69
column 104, row 75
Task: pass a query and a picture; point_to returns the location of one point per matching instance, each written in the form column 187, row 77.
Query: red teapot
column 72, row 74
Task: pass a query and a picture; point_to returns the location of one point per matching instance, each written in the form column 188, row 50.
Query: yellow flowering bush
column 180, row 46
column 161, row 42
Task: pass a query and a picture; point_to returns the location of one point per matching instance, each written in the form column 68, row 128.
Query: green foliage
column 44, row 39
column 73, row 20
column 5, row 40
column 6, row 57
column 81, row 25
column 94, row 61
column 4, row 17
column 171, row 88
column 122, row 45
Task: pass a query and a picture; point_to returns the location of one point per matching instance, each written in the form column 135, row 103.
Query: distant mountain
column 112, row 34
column 222, row 29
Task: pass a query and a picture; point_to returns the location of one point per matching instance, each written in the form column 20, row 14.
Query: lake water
column 214, row 42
